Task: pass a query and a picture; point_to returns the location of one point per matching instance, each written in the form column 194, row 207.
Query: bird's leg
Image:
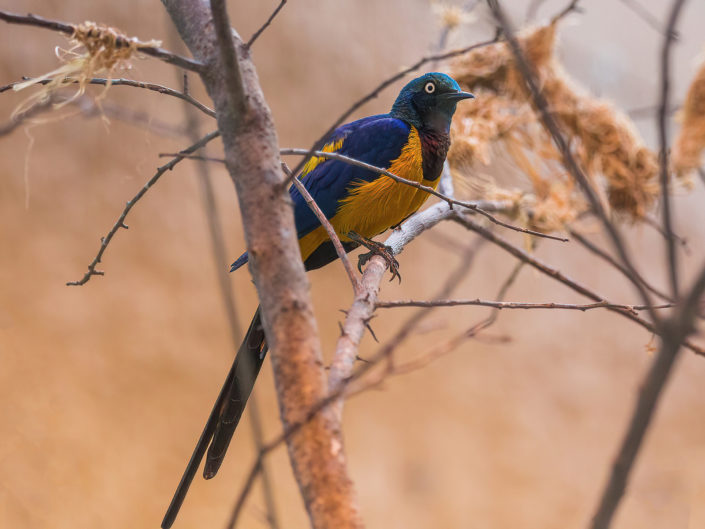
column 376, row 248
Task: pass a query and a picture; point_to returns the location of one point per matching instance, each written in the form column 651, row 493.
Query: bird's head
column 429, row 101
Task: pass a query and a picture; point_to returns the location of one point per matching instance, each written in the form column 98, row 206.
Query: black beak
column 457, row 96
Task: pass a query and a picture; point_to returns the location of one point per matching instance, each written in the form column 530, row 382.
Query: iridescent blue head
column 429, row 101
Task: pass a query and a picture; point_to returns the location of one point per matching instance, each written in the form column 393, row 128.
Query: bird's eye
column 430, row 88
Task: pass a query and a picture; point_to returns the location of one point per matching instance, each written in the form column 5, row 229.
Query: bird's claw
column 376, row 248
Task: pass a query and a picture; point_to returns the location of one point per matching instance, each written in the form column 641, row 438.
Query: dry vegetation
column 622, row 169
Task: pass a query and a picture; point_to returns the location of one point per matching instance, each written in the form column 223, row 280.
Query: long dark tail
column 225, row 414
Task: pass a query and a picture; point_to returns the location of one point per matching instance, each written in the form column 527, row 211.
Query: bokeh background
column 104, row 388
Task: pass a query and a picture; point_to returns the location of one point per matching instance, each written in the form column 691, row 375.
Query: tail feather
column 225, row 414
column 247, row 365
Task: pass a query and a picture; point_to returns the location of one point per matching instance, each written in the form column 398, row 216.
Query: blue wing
column 376, row 140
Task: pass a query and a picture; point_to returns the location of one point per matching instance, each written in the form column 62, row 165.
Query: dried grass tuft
column 95, row 50
column 622, row 170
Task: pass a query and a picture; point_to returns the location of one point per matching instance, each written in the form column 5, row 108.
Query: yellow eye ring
column 429, row 88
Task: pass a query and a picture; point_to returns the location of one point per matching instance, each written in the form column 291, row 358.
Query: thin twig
column 640, row 11
column 653, row 223
column 447, row 29
column 120, row 223
column 257, row 33
column 672, row 256
column 70, row 29
column 357, row 317
column 611, row 260
column 135, row 84
column 342, row 254
column 514, row 305
column 451, row 201
column 571, row 7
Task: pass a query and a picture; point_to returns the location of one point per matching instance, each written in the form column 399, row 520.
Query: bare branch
column 120, row 223
column 264, row 26
column 514, row 305
column 329, row 230
column 663, row 141
column 571, row 7
column 611, row 260
column 639, row 10
column 135, row 84
column 70, row 29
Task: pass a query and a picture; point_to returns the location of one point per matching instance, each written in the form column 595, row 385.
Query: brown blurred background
column 104, row 388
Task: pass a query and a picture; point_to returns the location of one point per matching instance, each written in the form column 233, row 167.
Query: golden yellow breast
column 373, row 207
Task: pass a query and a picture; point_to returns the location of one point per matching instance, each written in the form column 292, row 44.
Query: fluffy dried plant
column 505, row 124
column 690, row 143
column 95, row 50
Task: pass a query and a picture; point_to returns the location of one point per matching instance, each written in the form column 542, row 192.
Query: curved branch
column 135, row 84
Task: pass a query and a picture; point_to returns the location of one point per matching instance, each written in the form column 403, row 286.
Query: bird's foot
column 376, row 248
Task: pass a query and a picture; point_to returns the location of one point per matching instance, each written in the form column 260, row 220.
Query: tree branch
column 252, row 159
column 120, row 223
column 330, row 230
column 611, row 260
column 135, row 84
column 266, row 24
column 514, row 305
column 672, row 257
column 70, row 29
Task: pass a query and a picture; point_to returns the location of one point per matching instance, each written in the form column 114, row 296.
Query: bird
column 410, row 141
